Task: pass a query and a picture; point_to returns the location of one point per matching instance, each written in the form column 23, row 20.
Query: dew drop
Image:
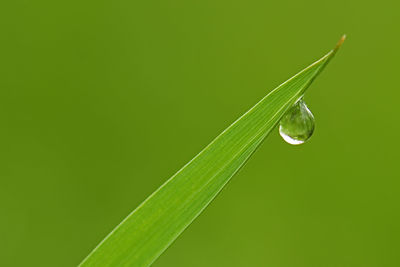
column 297, row 125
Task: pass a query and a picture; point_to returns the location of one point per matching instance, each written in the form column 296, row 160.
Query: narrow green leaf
column 165, row 214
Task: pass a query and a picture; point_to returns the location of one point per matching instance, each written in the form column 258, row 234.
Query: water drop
column 297, row 125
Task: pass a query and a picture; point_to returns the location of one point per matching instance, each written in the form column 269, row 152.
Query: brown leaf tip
column 339, row 44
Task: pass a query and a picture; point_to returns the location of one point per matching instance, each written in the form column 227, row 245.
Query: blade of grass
column 157, row 222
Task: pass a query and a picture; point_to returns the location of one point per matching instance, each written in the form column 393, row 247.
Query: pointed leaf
column 165, row 214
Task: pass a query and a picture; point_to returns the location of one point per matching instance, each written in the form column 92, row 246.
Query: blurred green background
column 102, row 101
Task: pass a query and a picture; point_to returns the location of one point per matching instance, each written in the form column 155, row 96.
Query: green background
column 102, row 101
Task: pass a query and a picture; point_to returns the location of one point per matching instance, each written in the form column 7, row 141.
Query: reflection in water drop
column 297, row 125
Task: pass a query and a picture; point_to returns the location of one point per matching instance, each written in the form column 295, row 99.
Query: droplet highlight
column 297, row 125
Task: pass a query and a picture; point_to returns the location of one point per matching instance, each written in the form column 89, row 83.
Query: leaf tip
column 339, row 44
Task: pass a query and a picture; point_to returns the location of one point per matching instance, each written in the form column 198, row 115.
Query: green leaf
column 163, row 216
